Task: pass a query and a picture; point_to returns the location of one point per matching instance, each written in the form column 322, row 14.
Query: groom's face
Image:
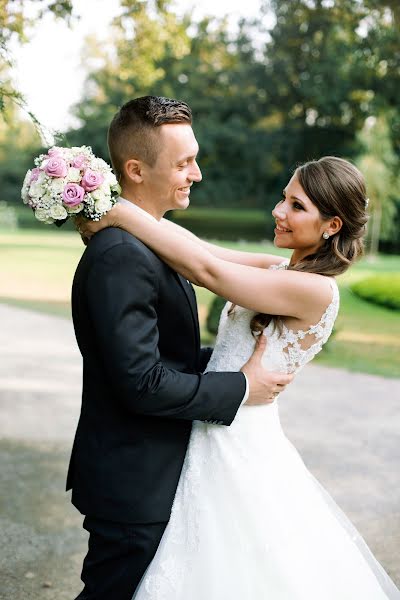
column 168, row 181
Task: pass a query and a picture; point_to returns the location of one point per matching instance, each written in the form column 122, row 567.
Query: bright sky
column 48, row 69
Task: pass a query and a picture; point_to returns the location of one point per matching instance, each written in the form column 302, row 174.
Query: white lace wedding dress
column 249, row 521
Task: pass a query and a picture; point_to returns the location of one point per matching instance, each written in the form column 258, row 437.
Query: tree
column 19, row 144
column 379, row 165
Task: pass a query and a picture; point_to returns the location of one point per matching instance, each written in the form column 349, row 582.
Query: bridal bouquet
column 70, row 181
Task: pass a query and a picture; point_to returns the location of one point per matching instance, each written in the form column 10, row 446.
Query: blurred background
column 272, row 83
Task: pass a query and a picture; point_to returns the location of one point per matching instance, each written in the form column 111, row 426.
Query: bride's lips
column 280, row 230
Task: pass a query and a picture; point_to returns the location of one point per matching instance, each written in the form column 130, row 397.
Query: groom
column 143, row 384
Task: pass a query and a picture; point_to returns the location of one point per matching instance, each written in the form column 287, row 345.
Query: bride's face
column 298, row 222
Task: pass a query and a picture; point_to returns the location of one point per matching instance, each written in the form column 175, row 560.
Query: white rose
column 57, row 211
column 42, row 214
column 44, row 163
column 110, row 179
column 101, row 165
column 42, row 177
column 36, row 189
column 74, row 175
column 102, row 193
column 103, row 205
column 73, row 210
column 57, row 185
column 47, row 199
column 117, row 188
column 25, row 187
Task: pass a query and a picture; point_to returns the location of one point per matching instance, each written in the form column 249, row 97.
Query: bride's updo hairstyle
column 337, row 188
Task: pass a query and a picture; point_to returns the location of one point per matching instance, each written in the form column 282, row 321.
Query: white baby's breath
column 46, row 200
column 25, row 187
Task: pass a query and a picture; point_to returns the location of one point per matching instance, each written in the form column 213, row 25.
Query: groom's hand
column 264, row 386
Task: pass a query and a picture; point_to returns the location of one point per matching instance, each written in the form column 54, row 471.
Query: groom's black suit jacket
column 136, row 325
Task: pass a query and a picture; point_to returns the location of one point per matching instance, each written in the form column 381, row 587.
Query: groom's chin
column 182, row 204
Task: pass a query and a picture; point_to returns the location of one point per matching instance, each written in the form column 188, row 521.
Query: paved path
column 345, row 425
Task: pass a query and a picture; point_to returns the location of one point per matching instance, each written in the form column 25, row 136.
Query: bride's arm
column 253, row 259
column 285, row 293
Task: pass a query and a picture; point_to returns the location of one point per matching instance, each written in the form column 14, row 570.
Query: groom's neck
column 146, row 205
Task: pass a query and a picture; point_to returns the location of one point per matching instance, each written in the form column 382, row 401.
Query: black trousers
column 118, row 555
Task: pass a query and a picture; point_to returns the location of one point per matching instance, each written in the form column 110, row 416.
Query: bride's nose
column 279, row 211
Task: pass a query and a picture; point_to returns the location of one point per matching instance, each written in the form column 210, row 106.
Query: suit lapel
column 190, row 295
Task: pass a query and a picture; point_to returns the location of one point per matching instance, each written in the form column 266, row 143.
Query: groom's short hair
column 133, row 130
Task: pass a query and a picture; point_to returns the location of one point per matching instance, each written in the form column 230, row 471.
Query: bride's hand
column 88, row 228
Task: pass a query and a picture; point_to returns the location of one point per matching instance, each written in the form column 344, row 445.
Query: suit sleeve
column 122, row 298
column 205, row 355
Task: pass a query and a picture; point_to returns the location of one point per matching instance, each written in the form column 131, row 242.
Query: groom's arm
column 122, row 296
column 205, row 355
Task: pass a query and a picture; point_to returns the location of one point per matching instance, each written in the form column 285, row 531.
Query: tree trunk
column 376, row 229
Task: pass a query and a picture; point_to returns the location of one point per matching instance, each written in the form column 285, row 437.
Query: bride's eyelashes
column 295, row 204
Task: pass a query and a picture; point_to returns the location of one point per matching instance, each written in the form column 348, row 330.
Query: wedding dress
column 249, row 521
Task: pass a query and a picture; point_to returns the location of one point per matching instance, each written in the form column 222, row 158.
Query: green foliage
column 380, row 166
column 382, row 289
column 19, row 144
column 44, row 261
column 263, row 100
column 8, row 217
column 232, row 224
column 214, row 313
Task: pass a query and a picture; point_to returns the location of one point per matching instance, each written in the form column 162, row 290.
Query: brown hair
column 133, row 130
column 337, row 188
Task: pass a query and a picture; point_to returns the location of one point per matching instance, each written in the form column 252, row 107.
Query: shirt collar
column 135, row 207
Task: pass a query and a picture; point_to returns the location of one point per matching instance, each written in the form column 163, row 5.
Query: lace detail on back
column 301, row 346
column 287, row 350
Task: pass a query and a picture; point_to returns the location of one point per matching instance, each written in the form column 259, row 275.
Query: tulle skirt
column 250, row 522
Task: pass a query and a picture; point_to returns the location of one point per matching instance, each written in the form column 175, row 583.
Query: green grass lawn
column 37, row 267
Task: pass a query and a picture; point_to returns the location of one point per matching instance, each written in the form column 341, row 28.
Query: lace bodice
column 287, row 350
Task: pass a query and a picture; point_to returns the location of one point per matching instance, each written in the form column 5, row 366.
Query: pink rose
column 53, row 152
column 34, row 174
column 91, row 180
column 73, row 194
column 56, row 167
column 79, row 161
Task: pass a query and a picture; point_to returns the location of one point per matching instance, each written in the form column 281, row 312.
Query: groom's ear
column 133, row 170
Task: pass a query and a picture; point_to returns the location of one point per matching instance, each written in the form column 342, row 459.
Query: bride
column 249, row 521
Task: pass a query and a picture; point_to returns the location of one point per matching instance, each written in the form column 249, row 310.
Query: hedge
column 382, row 289
column 214, row 314
column 226, row 224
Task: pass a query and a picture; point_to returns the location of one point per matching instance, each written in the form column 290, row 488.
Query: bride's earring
column 325, row 235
